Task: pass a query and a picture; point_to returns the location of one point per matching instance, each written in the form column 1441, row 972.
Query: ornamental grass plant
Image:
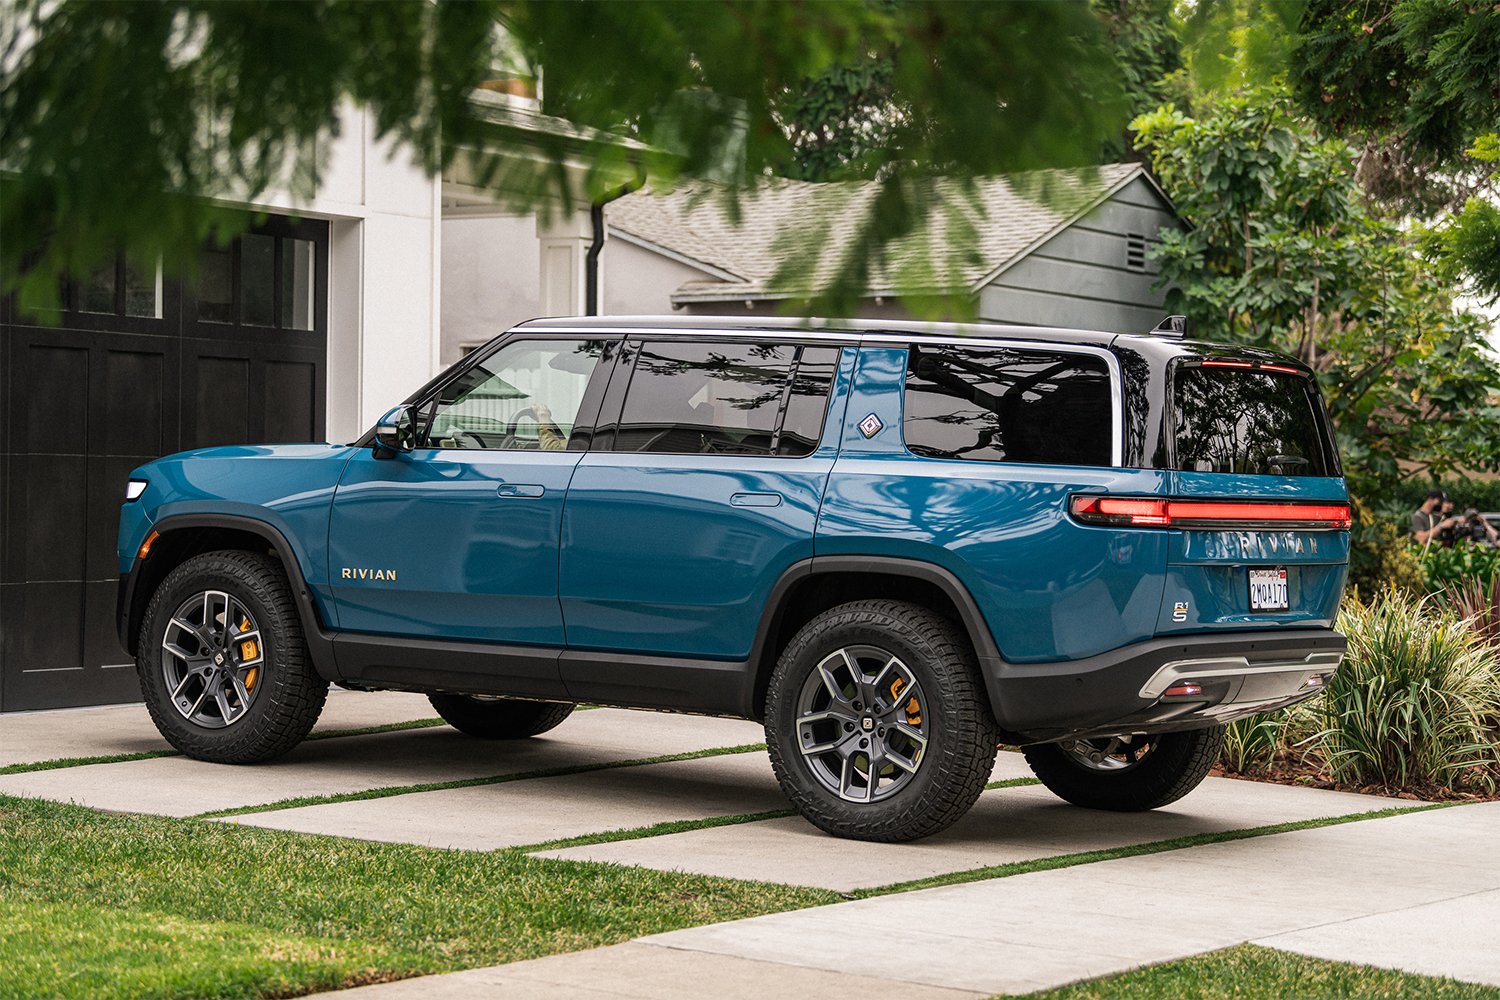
column 1413, row 704
column 1414, row 709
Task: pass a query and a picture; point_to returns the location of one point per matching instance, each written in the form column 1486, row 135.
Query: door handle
column 756, row 500
column 519, row 490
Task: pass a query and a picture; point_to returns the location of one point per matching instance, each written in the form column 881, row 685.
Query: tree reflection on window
column 1246, row 422
column 993, row 404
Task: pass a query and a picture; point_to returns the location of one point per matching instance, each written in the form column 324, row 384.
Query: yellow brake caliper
column 249, row 650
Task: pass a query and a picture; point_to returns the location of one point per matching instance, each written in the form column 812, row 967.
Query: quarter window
column 525, row 396
column 689, row 398
column 999, row 404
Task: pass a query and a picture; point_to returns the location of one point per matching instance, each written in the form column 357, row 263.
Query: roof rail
column 1172, row 326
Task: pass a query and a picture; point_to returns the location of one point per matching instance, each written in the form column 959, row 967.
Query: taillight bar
column 1142, row 512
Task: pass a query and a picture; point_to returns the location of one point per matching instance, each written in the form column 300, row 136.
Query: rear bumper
column 1123, row 691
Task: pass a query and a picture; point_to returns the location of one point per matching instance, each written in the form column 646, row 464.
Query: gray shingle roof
column 802, row 226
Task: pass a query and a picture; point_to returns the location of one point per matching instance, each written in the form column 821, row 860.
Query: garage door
column 134, row 368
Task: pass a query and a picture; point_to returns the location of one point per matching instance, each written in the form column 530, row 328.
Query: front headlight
column 134, row 489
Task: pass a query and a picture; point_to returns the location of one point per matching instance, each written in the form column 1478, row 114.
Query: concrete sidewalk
column 1419, row 892
column 1354, row 891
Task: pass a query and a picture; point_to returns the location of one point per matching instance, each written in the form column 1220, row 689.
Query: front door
column 458, row 539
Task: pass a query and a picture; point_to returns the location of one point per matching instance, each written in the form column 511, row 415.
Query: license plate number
column 1268, row 590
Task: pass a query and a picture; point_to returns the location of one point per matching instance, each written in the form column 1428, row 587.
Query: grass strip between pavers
column 497, row 779
column 1135, row 850
column 1249, row 970
column 121, row 758
column 654, row 830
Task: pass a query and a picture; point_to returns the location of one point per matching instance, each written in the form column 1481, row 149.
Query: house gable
column 1093, row 274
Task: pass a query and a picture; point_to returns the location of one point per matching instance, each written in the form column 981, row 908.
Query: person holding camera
column 1427, row 522
column 1474, row 528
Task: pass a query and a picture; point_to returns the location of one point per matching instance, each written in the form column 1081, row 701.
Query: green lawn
column 292, row 913
column 1251, row 973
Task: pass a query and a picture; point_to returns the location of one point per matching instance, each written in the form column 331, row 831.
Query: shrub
column 1444, row 568
column 1479, row 606
column 1409, row 706
column 1380, row 556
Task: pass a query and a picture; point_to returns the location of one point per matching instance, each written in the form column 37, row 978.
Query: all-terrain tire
column 286, row 693
column 1176, row 764
column 499, row 718
column 933, row 658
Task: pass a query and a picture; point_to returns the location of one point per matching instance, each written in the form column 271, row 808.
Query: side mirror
column 395, row 433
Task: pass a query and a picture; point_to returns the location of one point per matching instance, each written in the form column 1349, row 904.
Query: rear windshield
column 1247, row 421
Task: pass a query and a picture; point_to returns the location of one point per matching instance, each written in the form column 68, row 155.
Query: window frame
column 1111, row 363
column 606, row 431
column 1327, row 441
column 424, row 402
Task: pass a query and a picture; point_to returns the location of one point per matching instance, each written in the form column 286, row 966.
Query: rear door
column 693, row 501
column 1260, row 529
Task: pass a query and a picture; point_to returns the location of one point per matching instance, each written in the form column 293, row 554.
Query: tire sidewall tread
column 962, row 740
column 288, row 704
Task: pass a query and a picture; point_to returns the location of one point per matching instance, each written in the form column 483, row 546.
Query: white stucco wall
column 384, row 274
column 640, row 282
column 491, row 278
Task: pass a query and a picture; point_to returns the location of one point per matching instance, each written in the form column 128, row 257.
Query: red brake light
column 1226, row 364
column 1279, row 368
column 1144, row 513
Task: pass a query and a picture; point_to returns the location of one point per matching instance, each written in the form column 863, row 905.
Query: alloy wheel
column 861, row 725
column 212, row 659
column 1112, row 753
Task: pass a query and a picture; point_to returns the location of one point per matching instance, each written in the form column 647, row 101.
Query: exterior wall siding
column 1083, row 277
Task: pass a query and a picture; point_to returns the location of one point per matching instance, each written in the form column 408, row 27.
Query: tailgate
column 1260, row 524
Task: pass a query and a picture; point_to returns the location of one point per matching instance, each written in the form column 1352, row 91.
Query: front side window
column 1001, row 404
column 1246, row 421
column 525, row 396
column 689, row 398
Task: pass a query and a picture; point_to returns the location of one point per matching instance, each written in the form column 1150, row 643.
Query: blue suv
column 898, row 545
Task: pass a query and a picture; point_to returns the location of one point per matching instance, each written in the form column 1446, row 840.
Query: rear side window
column 690, row 397
column 999, row 404
column 1246, row 421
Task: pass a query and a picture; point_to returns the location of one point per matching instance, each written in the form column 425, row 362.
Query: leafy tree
column 837, row 120
column 120, row 122
column 1283, row 252
column 1144, row 38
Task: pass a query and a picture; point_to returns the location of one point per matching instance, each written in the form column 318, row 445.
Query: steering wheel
column 513, row 441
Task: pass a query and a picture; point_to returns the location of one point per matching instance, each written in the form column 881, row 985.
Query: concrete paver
column 634, row 970
column 177, row 786
column 489, row 817
column 1045, row 929
column 28, row 738
column 1450, row 937
column 1007, row 825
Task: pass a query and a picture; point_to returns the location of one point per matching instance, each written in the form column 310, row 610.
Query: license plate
column 1268, row 590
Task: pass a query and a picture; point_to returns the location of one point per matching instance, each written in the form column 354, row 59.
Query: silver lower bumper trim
column 1297, row 672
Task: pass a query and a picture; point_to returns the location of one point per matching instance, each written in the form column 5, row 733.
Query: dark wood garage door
column 136, row 368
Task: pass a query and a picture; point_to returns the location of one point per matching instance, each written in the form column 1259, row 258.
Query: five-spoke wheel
column 223, row 664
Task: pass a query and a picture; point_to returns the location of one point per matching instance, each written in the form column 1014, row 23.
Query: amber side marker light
column 146, row 545
column 1134, row 512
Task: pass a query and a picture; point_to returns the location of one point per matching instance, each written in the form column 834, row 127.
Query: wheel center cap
column 867, row 724
column 219, row 662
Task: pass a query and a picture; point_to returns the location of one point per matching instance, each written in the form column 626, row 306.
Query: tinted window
column 996, row 404
column 525, row 396
column 690, row 398
column 1249, row 422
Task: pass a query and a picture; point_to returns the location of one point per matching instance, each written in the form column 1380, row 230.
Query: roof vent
column 1135, row 252
column 1172, row 326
